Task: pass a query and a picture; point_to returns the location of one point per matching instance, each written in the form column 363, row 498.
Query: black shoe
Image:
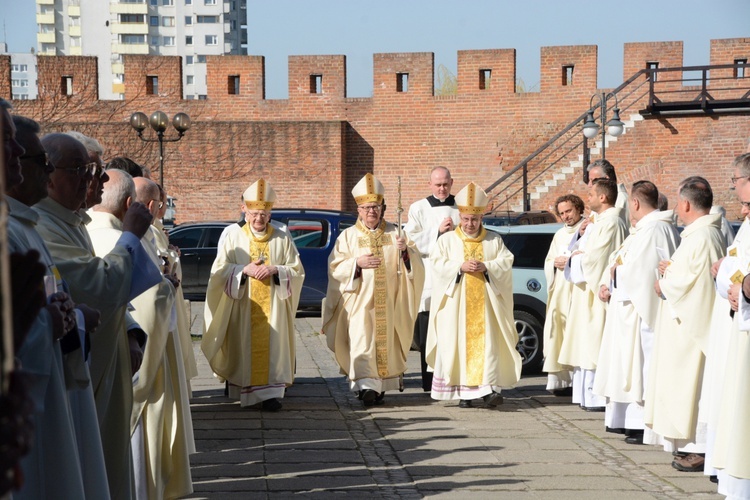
column 493, row 399
column 272, row 404
column 380, row 399
column 568, row 391
column 597, row 409
column 636, row 438
column 615, row 430
column 369, row 396
column 714, row 479
column 464, row 403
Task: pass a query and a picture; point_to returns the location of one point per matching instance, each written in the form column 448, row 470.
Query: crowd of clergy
column 646, row 323
column 97, row 404
column 650, row 324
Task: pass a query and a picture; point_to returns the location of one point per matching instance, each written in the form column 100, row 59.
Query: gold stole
column 474, row 300
column 260, row 310
column 375, row 241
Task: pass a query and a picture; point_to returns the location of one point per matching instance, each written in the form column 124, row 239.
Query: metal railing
column 647, row 92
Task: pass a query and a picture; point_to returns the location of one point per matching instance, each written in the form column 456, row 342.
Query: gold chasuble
column 249, row 324
column 471, row 337
column 368, row 314
column 260, row 309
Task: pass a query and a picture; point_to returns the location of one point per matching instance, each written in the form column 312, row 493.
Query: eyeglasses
column 82, row 170
column 372, row 208
column 257, row 215
column 47, row 164
column 734, row 179
column 99, row 171
column 159, row 203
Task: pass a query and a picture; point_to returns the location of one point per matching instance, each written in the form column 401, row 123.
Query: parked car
column 313, row 231
column 529, row 245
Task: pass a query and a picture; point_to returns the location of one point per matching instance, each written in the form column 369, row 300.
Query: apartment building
column 22, row 74
column 111, row 29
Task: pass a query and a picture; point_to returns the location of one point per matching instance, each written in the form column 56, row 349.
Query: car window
column 188, row 238
column 212, row 239
column 308, row 233
column 346, row 224
column 529, row 250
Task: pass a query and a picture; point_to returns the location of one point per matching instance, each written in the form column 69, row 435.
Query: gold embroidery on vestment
column 260, row 310
column 475, row 325
column 375, row 241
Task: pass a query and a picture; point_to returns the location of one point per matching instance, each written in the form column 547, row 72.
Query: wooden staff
column 399, row 211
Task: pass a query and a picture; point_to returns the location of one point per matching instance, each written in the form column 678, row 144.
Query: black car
column 313, row 231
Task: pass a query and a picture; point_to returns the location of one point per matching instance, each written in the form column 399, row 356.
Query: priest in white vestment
column 570, row 209
column 429, row 219
column 603, row 169
column 105, row 283
column 471, row 340
column 730, row 449
column 673, row 385
column 251, row 302
column 375, row 279
column 628, row 337
column 66, row 422
column 588, row 262
column 160, row 420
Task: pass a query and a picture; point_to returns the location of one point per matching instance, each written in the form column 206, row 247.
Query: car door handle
column 189, row 254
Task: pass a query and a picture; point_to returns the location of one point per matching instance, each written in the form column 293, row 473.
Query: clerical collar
column 449, row 201
column 258, row 234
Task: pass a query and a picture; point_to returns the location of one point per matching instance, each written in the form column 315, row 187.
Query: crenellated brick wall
column 314, row 146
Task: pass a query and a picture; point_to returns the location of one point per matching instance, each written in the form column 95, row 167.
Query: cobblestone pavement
column 325, row 444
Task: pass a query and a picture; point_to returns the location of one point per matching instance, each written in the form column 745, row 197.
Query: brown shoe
column 690, row 463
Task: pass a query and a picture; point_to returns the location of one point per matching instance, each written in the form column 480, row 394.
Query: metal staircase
column 650, row 93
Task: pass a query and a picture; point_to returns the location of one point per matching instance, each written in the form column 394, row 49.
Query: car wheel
column 530, row 335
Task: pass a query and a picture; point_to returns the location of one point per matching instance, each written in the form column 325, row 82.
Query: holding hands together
column 259, row 270
column 473, row 266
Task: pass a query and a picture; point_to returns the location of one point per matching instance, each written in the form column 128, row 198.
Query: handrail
column 627, row 99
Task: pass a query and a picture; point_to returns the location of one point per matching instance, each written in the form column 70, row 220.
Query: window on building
column 66, row 85
column 20, row 68
column 209, row 2
column 190, row 97
column 188, row 2
column 168, row 41
column 154, row 2
column 485, row 75
column 15, row 83
column 202, row 97
column 233, row 25
column 74, row 21
column 152, row 85
column 316, row 84
column 154, row 41
column 167, row 2
column 402, row 82
column 653, row 65
column 188, row 20
column 189, row 40
column 212, row 40
column 22, row 97
column 207, row 19
column 126, row 18
column 233, row 84
column 153, row 21
column 167, row 21
column 201, row 58
column 75, row 41
column 739, row 71
column 567, row 74
column 190, row 79
column 188, row 59
column 132, row 39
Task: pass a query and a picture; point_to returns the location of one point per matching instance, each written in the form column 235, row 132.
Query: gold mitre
column 259, row 196
column 472, row 200
column 368, row 189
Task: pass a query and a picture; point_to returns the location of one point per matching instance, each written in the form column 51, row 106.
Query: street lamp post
column 613, row 127
column 159, row 121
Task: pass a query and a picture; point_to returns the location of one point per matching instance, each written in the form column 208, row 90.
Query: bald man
column 106, row 283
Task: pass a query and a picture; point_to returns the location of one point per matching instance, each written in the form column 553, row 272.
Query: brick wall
column 313, row 147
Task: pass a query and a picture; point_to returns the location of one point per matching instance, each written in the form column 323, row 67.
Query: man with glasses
column 66, row 421
column 95, row 151
column 375, row 279
column 104, row 282
column 251, row 302
column 474, row 353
